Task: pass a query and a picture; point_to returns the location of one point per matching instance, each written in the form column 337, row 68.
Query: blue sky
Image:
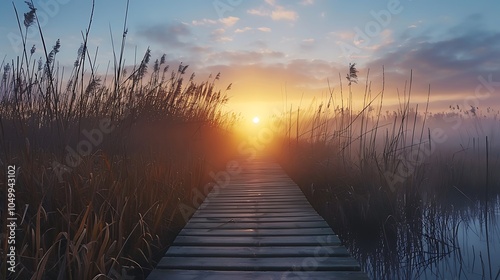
column 268, row 47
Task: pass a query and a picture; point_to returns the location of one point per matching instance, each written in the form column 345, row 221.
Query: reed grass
column 345, row 160
column 116, row 211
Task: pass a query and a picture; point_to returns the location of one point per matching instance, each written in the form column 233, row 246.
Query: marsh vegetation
column 103, row 160
column 413, row 194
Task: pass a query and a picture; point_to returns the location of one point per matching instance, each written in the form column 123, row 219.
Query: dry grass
column 113, row 208
column 389, row 178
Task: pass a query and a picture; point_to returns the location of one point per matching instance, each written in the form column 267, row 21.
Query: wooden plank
column 224, row 207
column 257, row 203
column 254, row 200
column 288, row 191
column 254, row 196
column 320, row 240
column 256, row 220
column 276, row 225
column 163, row 274
column 257, row 252
column 261, row 187
column 257, row 232
column 255, row 210
column 228, row 214
column 259, row 264
column 257, row 194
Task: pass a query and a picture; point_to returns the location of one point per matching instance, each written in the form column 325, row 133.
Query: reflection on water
column 445, row 241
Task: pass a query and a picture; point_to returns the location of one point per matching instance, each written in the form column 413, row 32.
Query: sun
column 256, row 120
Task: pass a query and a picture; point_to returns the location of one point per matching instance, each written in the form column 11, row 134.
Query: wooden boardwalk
column 260, row 226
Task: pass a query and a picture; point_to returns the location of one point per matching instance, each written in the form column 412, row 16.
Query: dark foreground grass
column 102, row 163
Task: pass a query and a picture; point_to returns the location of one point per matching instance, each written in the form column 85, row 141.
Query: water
column 444, row 241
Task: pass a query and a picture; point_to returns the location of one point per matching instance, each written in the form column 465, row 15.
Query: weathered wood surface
column 259, row 226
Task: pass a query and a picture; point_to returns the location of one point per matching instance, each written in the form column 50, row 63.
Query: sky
column 279, row 53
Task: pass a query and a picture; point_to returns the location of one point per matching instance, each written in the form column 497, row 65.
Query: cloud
column 203, row 22
column 258, row 12
column 307, row 2
column 282, row 14
column 264, row 29
column 264, row 82
column 171, row 34
column 451, row 65
column 218, row 35
column 244, row 57
column 229, row 21
column 276, row 12
column 245, row 29
column 307, row 44
column 342, row 35
column 242, row 30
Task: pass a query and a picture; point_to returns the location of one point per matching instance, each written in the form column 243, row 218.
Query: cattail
column 163, row 59
column 33, row 49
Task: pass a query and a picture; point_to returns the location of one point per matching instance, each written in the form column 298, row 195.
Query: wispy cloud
column 219, row 35
column 307, row 44
column 203, row 22
column 258, row 12
column 242, row 30
column 307, row 2
column 275, row 12
column 283, row 14
column 244, row 57
column 245, row 29
column 229, row 21
column 172, row 34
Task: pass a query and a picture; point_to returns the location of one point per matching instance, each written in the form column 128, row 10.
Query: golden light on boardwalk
column 274, row 230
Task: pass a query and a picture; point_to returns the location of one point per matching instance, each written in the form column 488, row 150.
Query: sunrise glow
column 287, row 51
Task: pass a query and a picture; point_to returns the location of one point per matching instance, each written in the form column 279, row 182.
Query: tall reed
column 112, row 209
column 392, row 175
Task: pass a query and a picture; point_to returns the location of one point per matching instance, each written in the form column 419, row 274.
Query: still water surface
column 447, row 241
